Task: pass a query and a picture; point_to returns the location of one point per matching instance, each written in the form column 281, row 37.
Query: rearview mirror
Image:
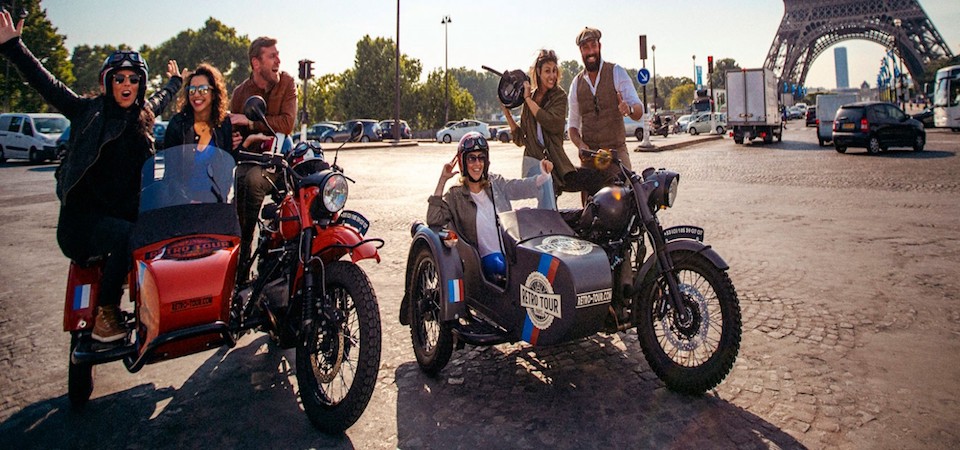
column 254, row 109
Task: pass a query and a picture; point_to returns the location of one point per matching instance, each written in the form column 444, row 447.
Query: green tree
column 86, row 62
column 431, row 104
column 568, row 70
column 321, row 98
column 41, row 37
column 482, row 86
column 720, row 67
column 665, row 87
column 369, row 88
column 215, row 44
column 681, row 97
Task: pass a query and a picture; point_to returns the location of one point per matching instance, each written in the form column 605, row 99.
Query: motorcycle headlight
column 666, row 191
column 334, row 192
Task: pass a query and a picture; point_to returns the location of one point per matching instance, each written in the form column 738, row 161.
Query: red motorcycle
column 183, row 278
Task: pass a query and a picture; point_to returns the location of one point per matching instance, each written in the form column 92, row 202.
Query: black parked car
column 371, row 131
column 876, row 126
column 812, row 116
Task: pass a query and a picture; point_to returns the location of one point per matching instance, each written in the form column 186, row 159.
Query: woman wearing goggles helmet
column 98, row 182
column 471, row 207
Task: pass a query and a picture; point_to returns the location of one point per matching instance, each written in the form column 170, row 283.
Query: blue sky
column 501, row 34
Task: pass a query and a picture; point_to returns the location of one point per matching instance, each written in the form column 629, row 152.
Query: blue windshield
column 185, row 175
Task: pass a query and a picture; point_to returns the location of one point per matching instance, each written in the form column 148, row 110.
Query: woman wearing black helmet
column 98, row 182
column 543, row 117
column 472, row 206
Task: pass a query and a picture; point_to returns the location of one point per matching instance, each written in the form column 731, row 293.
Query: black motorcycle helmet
column 510, row 90
column 469, row 143
column 124, row 59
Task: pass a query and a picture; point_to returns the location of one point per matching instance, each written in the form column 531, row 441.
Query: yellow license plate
column 847, row 126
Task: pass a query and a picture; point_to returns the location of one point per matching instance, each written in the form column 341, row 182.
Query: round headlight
column 672, row 187
column 334, row 192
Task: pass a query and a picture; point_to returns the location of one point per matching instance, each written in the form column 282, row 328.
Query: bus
column 946, row 98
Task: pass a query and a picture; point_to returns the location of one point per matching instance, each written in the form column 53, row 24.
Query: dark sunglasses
column 474, row 144
column 203, row 89
column 120, row 78
column 476, row 158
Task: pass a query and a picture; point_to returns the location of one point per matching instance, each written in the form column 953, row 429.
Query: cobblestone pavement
column 846, row 268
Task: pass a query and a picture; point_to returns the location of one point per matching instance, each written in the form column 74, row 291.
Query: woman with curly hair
column 203, row 117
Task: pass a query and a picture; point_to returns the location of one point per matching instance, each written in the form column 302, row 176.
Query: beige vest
column 601, row 121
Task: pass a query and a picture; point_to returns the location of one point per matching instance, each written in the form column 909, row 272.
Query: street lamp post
column 446, row 85
column 396, row 84
column 653, row 49
column 694, row 73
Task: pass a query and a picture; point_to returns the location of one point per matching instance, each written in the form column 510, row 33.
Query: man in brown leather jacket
column 278, row 90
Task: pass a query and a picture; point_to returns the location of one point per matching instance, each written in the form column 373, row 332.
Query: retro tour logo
column 536, row 294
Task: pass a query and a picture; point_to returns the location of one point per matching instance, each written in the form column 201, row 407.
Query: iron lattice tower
column 810, row 27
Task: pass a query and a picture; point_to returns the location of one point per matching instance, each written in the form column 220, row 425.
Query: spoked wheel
column 432, row 339
column 694, row 356
column 79, row 378
column 337, row 365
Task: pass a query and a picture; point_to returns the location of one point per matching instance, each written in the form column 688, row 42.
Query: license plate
column 847, row 126
column 354, row 220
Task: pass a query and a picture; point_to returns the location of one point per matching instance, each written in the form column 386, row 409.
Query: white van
column 30, row 136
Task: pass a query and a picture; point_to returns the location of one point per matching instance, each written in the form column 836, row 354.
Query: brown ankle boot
column 106, row 326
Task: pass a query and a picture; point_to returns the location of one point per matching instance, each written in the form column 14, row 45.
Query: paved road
column 846, row 267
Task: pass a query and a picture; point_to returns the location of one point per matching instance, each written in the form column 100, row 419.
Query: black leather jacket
column 89, row 130
column 180, row 132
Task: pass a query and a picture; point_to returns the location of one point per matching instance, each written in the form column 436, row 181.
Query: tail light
column 818, row 122
column 836, row 125
column 864, row 125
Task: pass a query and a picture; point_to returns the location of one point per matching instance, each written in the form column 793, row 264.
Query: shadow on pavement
column 585, row 394
column 236, row 399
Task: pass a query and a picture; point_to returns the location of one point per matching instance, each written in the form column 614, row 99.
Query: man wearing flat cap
column 600, row 96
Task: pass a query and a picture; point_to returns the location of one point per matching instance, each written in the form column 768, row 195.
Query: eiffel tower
column 810, row 27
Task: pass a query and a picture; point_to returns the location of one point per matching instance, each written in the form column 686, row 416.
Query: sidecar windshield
column 184, row 175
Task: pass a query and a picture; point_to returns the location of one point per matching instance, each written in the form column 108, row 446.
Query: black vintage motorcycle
column 580, row 272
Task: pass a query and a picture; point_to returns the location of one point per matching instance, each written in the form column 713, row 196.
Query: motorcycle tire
column 337, row 369
column 79, row 378
column 432, row 338
column 680, row 354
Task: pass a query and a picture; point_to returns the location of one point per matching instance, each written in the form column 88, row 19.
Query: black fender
column 449, row 270
column 690, row 245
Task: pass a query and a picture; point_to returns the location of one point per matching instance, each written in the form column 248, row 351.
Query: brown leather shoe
column 106, row 326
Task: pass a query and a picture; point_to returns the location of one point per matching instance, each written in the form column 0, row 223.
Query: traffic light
column 709, row 64
column 306, row 69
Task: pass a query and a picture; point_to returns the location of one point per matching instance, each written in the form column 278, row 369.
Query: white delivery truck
column 827, row 107
column 753, row 110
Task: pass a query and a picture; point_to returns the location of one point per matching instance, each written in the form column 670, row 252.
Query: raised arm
column 48, row 86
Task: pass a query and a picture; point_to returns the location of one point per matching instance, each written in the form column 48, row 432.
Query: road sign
column 643, row 76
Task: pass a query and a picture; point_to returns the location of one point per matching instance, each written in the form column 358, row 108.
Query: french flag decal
column 455, row 290
column 81, row 297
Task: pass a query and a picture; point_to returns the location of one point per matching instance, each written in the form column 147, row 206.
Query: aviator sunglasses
column 203, row 89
